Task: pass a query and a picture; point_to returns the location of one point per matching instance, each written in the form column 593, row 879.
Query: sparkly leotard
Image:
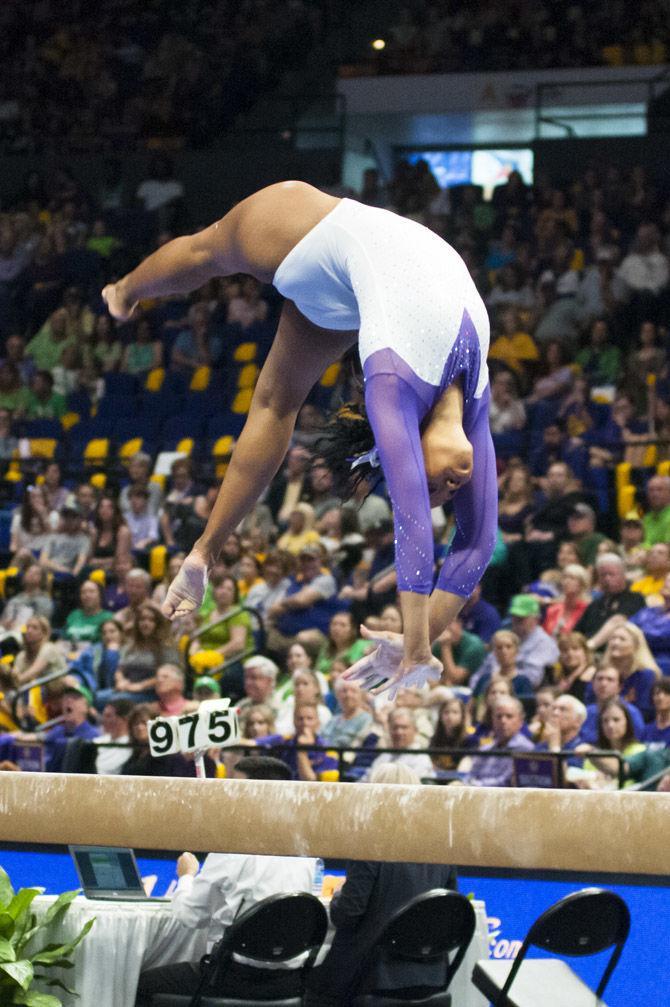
column 422, row 325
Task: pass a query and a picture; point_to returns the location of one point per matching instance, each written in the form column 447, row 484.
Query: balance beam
column 565, row 830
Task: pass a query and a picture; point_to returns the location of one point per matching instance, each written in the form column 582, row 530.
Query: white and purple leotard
column 422, row 325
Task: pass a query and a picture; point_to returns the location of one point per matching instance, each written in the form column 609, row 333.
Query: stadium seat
column 201, row 379
column 247, row 376
column 154, row 380
column 245, row 353
column 121, row 384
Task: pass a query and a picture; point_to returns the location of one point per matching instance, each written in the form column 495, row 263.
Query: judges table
column 128, row 937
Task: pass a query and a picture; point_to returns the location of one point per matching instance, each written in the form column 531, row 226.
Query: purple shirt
column 496, row 770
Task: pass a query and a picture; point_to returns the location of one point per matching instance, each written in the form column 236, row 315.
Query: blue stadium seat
column 176, row 428
column 40, row 428
column 121, row 384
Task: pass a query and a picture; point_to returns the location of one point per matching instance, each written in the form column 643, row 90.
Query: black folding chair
column 426, row 929
column 583, row 923
column 272, row 931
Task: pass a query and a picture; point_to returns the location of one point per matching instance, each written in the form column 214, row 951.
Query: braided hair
column 346, row 437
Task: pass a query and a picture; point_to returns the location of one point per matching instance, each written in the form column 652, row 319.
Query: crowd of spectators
column 574, row 605
column 443, row 37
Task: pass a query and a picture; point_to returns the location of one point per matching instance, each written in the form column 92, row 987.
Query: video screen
column 488, row 167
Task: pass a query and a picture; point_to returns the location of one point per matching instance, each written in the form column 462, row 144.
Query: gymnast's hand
column 118, row 304
column 387, row 661
column 188, row 588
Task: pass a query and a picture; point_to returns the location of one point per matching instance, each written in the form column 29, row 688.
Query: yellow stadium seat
column 221, row 469
column 42, row 447
column 622, row 475
column 330, row 375
column 663, row 469
column 201, row 378
column 96, row 450
column 242, row 401
column 185, row 445
column 223, row 446
column 99, row 480
column 245, row 353
column 98, row 577
column 159, row 480
column 247, row 376
column 13, row 473
column 650, row 456
column 625, row 500
column 155, row 379
column 130, row 448
column 69, row 420
column 158, row 562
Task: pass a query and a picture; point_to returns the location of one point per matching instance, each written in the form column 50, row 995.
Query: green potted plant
column 19, row 926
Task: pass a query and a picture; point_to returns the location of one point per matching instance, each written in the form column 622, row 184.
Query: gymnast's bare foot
column 188, row 588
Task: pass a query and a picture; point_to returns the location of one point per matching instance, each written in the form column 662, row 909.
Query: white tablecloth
column 126, row 938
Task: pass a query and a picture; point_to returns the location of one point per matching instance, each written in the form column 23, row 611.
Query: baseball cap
column 582, row 510
column 523, row 605
column 632, row 517
column 205, row 682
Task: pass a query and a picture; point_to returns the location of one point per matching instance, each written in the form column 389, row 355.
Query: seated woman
column 221, row 641
column 496, row 689
column 112, row 640
column 616, row 733
column 544, row 701
column 150, row 645
column 144, row 352
column 249, row 570
column 505, row 645
column 353, row 723
column 83, row 624
column 32, row 599
column 300, row 531
column 343, row 643
column 515, row 504
column 275, row 579
column 30, row 526
column 628, row 651
column 305, row 689
column 563, row 615
column 657, row 731
column 111, row 535
column 453, row 731
column 38, row 656
column 576, row 667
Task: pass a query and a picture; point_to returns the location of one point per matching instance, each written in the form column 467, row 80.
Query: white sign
column 213, row 725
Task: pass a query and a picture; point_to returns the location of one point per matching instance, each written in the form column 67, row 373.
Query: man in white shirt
column 115, row 727
column 225, row 887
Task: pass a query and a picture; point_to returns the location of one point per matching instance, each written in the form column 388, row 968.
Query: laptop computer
column 111, row 873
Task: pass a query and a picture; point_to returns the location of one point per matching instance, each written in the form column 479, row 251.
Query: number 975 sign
column 213, row 725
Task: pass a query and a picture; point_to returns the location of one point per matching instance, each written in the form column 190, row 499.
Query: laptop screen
column 106, row 868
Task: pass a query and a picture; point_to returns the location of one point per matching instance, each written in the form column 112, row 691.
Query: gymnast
column 351, row 274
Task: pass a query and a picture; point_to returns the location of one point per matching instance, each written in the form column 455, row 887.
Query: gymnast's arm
column 300, row 354
column 476, row 514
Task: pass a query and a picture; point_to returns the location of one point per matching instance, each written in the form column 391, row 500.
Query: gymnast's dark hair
column 348, row 434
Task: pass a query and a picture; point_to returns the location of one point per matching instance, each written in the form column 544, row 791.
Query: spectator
column 287, row 488
column 479, row 616
column 46, row 348
column 507, row 410
column 514, row 347
column 42, row 402
column 114, row 719
column 649, row 359
column 600, row 361
column 144, row 353
column 508, row 722
column 607, row 685
column 273, row 584
column 654, row 622
column 656, row 520
column 74, row 724
column 453, row 731
column 300, row 531
column 171, row 570
column 505, row 652
column 197, row 346
column 581, row 529
column 142, row 523
column 631, row 534
column 352, row 725
column 226, row 637
column 536, row 648
column 462, row 653
column 628, row 651
column 615, row 598
column 575, row 668
column 403, row 734
column 645, row 273
column 544, row 702
column 111, row 536
column 32, row 599
column 113, row 638
column 321, row 486
column 563, row 615
column 178, row 523
column 142, row 763
column 137, row 589
column 657, row 568
column 57, row 496
column 106, row 350
column 160, row 193
column 305, row 764
column 306, row 689
column 66, row 551
column 657, row 731
column 38, row 656
column 83, row 624
column 169, row 687
column 257, row 721
column 205, row 687
column 149, row 646
column 14, row 395
column 310, row 597
column 9, row 444
column 343, row 643
column 515, row 504
column 250, row 570
column 616, row 733
column 562, row 731
column 139, row 473
column 260, row 678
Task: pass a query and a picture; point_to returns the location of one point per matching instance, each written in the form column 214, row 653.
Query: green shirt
column 45, row 350
column 656, row 527
column 587, row 547
column 603, row 364
column 15, row 400
column 84, row 628
column 350, row 656
column 646, row 763
column 52, row 409
column 470, row 652
column 219, row 635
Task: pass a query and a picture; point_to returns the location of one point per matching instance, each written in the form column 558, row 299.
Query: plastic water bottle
column 317, row 884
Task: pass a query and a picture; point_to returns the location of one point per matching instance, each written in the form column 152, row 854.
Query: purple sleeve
column 395, row 411
column 475, row 511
